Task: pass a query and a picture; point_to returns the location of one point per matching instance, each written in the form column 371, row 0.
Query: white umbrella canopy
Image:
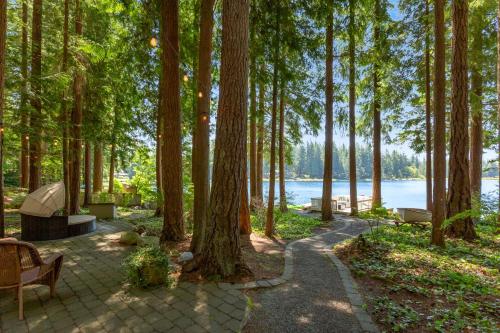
column 45, row 201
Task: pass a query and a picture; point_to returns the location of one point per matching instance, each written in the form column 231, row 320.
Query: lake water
column 397, row 193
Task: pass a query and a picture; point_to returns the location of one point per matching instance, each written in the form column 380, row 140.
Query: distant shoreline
column 312, row 180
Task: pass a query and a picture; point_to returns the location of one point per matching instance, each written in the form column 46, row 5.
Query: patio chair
column 21, row 265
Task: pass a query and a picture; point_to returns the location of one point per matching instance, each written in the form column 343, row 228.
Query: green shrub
column 148, row 266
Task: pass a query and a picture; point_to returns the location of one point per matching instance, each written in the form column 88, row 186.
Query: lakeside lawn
column 413, row 287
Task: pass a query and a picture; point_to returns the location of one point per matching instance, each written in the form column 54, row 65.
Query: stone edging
column 287, row 272
column 352, row 292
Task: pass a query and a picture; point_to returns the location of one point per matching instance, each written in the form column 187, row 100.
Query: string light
column 200, row 94
column 153, row 42
column 204, row 118
column 185, row 78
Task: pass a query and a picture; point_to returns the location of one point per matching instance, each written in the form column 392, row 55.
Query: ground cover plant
column 288, row 225
column 413, row 287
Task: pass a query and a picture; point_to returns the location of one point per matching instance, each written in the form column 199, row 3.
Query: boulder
column 130, row 238
column 185, row 256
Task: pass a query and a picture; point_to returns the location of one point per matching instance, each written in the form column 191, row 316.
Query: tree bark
column 159, row 157
column 498, row 106
column 24, row 181
column 222, row 254
column 64, row 114
column 77, row 118
column 377, row 125
column 245, row 226
column 3, row 37
column 97, row 180
column 173, row 219
column 439, row 190
column 459, row 196
column 326, row 202
column 428, row 111
column 253, row 117
column 260, row 141
column 352, row 111
column 281, row 148
column 476, row 102
column 112, row 162
column 35, row 163
column 202, row 130
column 269, row 229
column 88, row 189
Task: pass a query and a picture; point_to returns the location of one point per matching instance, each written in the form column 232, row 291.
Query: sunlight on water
column 398, row 193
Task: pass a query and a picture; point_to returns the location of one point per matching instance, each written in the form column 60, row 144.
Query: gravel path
column 315, row 299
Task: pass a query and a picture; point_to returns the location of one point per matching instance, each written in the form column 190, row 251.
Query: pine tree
column 459, row 196
column 326, row 206
column 202, row 129
column 222, row 252
column 439, row 190
column 3, row 37
column 352, row 110
column 36, row 101
column 173, row 218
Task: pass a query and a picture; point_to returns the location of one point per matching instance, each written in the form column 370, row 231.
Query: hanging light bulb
column 204, row 118
column 200, row 94
column 153, row 42
column 185, row 78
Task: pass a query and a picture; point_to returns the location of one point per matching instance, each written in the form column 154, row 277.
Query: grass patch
column 414, row 287
column 289, row 225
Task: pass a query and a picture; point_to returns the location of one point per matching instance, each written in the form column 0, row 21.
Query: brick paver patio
column 93, row 297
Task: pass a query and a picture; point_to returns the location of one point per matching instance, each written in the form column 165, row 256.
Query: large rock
column 130, row 238
column 185, row 256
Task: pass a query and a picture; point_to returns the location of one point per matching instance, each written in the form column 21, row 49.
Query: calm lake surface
column 397, row 193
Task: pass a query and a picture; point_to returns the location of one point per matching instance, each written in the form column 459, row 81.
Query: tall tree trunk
column 222, row 253
column 88, row 189
column 459, row 196
column 77, row 118
column 281, row 148
column 326, row 202
column 202, row 130
column 439, row 190
column 159, row 157
column 260, row 141
column 377, row 126
column 253, row 116
column 64, row 114
column 97, row 180
column 35, row 163
column 173, row 219
column 112, row 162
column 24, row 183
column 498, row 106
column 269, row 230
column 245, row 226
column 428, row 111
column 3, row 37
column 476, row 102
column 352, row 111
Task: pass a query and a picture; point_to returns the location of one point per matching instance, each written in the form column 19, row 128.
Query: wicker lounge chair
column 21, row 265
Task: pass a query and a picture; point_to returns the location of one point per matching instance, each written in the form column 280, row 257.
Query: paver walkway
column 314, row 300
column 92, row 296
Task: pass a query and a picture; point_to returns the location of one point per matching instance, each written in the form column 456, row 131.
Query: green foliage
column 148, row 266
column 144, row 179
column 308, row 163
column 289, row 225
column 117, row 186
column 463, row 278
column 398, row 317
